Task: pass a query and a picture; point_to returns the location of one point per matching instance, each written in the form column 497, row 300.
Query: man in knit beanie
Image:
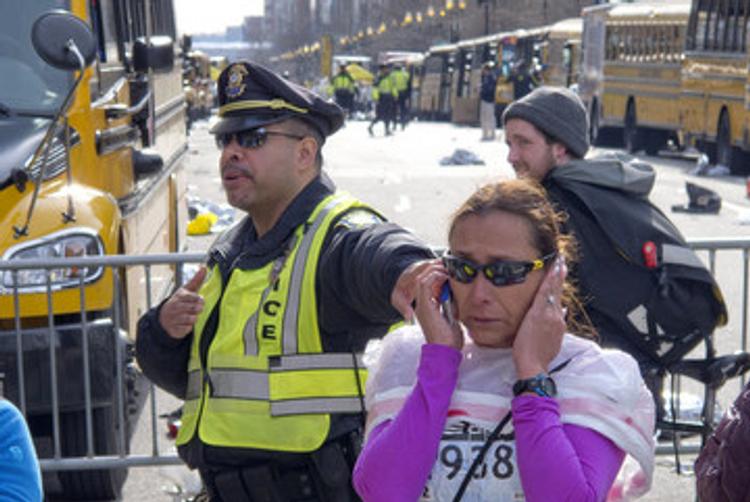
column 546, row 132
column 546, row 128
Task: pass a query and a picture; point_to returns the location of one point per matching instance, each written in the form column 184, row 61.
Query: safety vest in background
column 385, row 85
column 266, row 383
column 343, row 81
column 401, row 80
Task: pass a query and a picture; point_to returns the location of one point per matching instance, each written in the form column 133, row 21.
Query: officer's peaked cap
column 251, row 96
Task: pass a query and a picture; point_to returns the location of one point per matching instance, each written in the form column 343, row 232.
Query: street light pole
column 486, row 4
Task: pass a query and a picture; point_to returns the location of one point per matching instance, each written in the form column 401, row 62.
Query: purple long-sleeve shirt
column 556, row 461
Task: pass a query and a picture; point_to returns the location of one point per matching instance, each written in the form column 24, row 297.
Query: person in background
column 547, row 137
column 402, row 81
column 523, row 78
column 723, row 465
column 512, row 376
column 385, row 95
column 263, row 343
column 487, row 102
column 20, row 477
column 344, row 89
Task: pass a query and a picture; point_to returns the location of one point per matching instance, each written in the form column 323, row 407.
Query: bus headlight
column 73, row 243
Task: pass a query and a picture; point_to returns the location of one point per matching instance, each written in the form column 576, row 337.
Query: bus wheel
column 723, row 141
column 98, row 484
column 631, row 135
column 726, row 154
column 655, row 141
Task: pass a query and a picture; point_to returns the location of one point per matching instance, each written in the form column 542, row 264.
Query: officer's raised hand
column 178, row 314
column 405, row 290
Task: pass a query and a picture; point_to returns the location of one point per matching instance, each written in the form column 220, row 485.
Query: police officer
column 344, row 89
column 402, row 81
column 385, row 94
column 263, row 342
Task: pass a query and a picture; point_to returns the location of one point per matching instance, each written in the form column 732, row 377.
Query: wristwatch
column 541, row 385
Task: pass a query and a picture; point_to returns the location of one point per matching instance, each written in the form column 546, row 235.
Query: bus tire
column 631, row 135
column 654, row 141
column 726, row 154
column 100, row 484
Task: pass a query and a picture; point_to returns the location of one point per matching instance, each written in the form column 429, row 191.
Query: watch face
column 541, row 385
column 547, row 385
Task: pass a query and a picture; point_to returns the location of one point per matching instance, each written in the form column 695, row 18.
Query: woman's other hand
column 540, row 335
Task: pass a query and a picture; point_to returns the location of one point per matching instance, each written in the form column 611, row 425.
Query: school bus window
column 27, row 83
column 721, row 33
column 163, row 18
column 434, row 64
column 731, row 34
column 619, row 45
column 103, row 19
column 610, row 47
column 650, row 51
column 713, row 39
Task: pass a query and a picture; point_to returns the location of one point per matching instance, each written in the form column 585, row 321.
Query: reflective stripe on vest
column 294, row 384
column 267, row 384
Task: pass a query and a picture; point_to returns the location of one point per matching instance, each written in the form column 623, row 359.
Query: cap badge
column 236, row 81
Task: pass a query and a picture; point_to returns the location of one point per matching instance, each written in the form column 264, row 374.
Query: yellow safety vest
column 401, row 79
column 343, row 82
column 267, row 384
column 386, row 85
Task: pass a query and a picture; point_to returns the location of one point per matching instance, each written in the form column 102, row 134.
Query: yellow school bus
column 519, row 50
column 630, row 79
column 553, row 49
column 471, row 55
column 560, row 52
column 92, row 165
column 438, row 75
column 714, row 101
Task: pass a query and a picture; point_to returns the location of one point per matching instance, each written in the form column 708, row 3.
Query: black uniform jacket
column 361, row 260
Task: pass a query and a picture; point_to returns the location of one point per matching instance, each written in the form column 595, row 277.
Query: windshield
column 28, row 84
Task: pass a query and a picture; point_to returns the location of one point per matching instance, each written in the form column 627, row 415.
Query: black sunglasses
column 499, row 273
column 251, row 138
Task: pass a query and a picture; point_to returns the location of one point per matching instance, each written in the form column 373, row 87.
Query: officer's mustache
column 240, row 169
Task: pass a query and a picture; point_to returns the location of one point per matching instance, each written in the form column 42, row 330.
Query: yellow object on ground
column 201, row 224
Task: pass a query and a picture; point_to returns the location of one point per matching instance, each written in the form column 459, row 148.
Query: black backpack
column 644, row 289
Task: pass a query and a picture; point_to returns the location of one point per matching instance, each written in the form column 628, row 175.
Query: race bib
column 495, row 478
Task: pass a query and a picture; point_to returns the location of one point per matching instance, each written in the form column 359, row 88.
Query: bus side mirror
column 51, row 33
column 158, row 55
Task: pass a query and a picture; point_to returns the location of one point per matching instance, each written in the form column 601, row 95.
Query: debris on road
column 461, row 157
column 208, row 217
column 700, row 200
column 703, row 167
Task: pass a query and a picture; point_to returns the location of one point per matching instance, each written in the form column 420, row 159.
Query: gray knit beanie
column 558, row 112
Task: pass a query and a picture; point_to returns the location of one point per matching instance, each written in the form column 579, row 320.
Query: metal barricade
column 730, row 340
column 43, row 345
column 67, row 361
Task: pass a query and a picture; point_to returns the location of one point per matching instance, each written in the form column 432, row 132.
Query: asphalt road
column 401, row 175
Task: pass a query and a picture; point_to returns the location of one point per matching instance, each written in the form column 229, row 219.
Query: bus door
column 429, row 94
column 448, row 82
column 466, row 101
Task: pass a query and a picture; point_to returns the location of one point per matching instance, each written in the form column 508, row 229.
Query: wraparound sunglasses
column 499, row 273
column 251, row 138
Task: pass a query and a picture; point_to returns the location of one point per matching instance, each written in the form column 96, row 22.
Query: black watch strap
column 541, row 385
